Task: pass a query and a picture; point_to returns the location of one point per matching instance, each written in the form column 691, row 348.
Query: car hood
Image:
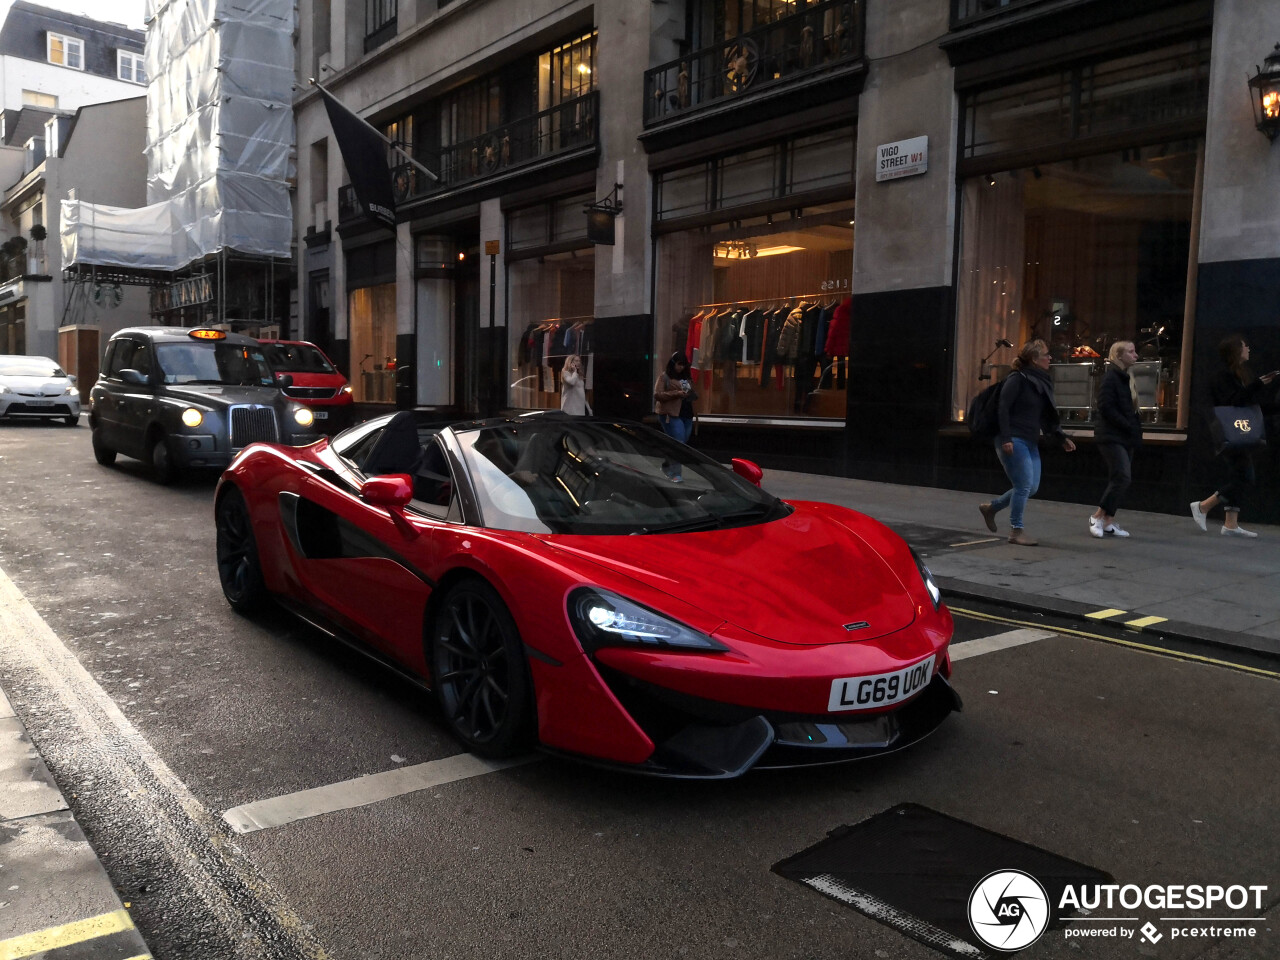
column 334, row 380
column 219, row 394
column 37, row 386
column 800, row 579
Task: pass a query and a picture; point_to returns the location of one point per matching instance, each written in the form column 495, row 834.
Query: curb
column 55, row 896
column 1088, row 613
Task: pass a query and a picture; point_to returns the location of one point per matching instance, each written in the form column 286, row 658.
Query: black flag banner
column 364, row 151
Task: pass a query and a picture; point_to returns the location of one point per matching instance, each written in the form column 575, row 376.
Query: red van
column 316, row 381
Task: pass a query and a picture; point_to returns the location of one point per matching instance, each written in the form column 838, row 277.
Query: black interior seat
column 397, row 449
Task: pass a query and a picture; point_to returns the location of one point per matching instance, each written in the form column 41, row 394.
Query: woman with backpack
column 1026, row 408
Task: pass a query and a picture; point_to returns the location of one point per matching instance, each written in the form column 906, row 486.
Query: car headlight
column 192, row 417
column 347, row 388
column 304, row 417
column 4, row 389
column 934, row 593
column 70, row 391
column 603, row 619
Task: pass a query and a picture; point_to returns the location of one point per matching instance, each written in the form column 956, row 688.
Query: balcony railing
column 820, row 36
column 965, row 13
column 564, row 128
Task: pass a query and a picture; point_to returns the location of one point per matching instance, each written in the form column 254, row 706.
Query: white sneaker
column 1095, row 527
column 1237, row 532
column 1115, row 530
column 1198, row 515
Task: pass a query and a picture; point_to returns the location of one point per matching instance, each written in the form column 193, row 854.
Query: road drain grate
column 914, row 869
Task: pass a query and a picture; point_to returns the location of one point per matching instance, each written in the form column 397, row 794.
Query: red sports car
column 596, row 589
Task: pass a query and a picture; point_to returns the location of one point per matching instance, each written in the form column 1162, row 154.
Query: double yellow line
column 1132, row 644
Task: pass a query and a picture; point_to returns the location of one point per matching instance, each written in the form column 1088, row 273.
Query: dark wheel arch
column 101, row 452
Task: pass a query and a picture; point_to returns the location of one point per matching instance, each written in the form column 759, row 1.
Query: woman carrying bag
column 1234, row 386
column 1118, row 435
column 673, row 397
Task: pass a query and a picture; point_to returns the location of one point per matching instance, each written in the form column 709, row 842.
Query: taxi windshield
column 232, row 364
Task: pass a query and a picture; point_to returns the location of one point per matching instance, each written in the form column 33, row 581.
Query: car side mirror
column 392, row 491
column 284, row 380
column 747, row 470
column 135, row 377
column 71, row 377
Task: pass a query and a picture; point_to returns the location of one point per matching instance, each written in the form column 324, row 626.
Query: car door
column 135, row 403
column 112, row 395
column 366, row 568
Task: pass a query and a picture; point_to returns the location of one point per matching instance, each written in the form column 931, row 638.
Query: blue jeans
column 677, row 428
column 1022, row 467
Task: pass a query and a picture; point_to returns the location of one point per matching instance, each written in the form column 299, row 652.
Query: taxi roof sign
column 206, row 334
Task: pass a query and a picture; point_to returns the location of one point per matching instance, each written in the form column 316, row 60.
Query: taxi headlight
column 304, row 417
column 192, row 417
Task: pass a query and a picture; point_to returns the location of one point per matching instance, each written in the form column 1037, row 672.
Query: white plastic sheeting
column 219, row 141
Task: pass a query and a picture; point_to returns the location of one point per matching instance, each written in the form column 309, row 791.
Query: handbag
column 1237, row 428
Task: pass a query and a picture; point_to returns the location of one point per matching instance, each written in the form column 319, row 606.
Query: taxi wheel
column 479, row 673
column 239, row 569
column 162, row 464
column 101, row 452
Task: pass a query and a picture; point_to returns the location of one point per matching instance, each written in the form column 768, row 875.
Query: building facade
column 838, row 209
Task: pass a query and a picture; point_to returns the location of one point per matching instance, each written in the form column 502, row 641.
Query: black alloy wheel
column 163, row 466
column 101, row 452
column 239, row 568
column 479, row 673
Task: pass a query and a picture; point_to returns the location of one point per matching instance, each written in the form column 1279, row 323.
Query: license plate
column 321, row 414
column 881, row 689
column 39, row 403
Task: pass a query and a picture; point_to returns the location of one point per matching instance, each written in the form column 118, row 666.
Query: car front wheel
column 239, row 569
column 479, row 674
column 101, row 452
column 161, row 459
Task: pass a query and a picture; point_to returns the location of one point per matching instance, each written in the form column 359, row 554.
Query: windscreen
column 560, row 475
column 29, row 367
column 232, row 364
column 296, row 358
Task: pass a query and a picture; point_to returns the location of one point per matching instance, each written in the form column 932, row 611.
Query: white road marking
column 361, row 791
column 1000, row 641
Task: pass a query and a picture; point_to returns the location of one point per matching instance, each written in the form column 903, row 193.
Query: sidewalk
column 55, row 898
column 1174, row 579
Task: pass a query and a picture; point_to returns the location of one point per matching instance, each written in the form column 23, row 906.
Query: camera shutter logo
column 1008, row 910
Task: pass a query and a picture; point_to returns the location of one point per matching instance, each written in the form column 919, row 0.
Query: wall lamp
column 1265, row 95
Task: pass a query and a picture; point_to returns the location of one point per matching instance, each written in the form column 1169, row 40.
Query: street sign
column 905, row 158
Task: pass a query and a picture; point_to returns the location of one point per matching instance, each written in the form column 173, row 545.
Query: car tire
column 239, row 567
column 71, row 421
column 101, row 452
column 163, row 467
column 479, row 673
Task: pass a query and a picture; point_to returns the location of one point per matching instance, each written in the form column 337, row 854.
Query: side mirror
column 71, row 377
column 392, row 491
column 747, row 470
column 284, row 380
column 135, row 377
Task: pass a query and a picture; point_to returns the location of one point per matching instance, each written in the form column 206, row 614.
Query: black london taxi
column 189, row 399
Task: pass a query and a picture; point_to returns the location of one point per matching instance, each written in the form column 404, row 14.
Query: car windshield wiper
column 705, row 522
column 758, row 512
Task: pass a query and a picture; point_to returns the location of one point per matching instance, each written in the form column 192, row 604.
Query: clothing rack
column 792, row 296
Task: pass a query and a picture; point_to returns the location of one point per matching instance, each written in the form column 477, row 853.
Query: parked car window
column 296, row 358
column 29, row 367
column 229, row 363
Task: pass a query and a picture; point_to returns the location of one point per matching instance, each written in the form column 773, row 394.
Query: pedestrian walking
column 1118, row 435
column 573, row 388
column 1234, row 386
column 673, row 397
column 1026, row 408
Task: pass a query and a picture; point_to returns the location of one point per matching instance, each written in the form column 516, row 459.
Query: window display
column 762, row 309
column 1080, row 253
column 552, row 303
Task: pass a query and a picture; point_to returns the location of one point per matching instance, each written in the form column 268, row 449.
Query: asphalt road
column 1155, row 770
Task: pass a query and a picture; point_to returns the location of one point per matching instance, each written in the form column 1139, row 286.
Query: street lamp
column 1265, row 98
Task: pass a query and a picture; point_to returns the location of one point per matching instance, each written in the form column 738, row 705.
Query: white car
column 37, row 387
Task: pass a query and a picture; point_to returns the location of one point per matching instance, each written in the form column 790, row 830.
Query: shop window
column 371, row 317
column 819, row 161
column 762, row 309
column 1079, row 253
column 1156, row 87
column 551, row 304
column 750, row 176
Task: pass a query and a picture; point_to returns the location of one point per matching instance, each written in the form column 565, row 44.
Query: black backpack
column 983, row 415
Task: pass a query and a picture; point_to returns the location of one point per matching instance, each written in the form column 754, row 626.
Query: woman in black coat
column 1118, row 436
column 1234, row 386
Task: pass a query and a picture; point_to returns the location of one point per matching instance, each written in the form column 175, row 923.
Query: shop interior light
column 1264, row 89
column 774, row 251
